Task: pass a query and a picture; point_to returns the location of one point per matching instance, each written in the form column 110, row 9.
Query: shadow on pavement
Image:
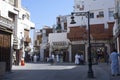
column 64, row 71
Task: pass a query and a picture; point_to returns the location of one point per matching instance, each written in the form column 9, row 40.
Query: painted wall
column 93, row 6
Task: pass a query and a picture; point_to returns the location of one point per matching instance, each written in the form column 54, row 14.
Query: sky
column 44, row 12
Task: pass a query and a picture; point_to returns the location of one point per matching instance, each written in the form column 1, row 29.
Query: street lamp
column 87, row 14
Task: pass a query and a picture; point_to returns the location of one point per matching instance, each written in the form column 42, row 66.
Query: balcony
column 37, row 43
column 27, row 39
column 6, row 23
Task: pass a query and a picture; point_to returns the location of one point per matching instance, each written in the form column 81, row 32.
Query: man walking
column 77, row 59
column 114, row 63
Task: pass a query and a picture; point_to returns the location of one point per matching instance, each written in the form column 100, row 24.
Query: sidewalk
column 59, row 71
column 101, row 71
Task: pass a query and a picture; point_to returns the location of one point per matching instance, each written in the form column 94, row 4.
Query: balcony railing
column 6, row 23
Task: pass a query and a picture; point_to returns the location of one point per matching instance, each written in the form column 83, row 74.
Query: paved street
column 62, row 71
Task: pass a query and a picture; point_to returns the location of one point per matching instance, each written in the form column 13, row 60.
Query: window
column 100, row 14
column 91, row 15
column 12, row 2
column 11, row 15
column 23, row 16
column 27, row 16
column 111, row 13
column 78, row 6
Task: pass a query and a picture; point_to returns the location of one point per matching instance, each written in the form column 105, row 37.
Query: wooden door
column 1, row 47
column 5, row 49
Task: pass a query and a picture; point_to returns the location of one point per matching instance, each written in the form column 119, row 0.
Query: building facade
column 11, row 30
column 68, row 39
column 41, row 45
column 59, row 45
column 101, row 26
column 7, row 22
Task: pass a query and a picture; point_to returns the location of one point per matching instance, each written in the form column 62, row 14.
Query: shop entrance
column 99, row 53
column 78, row 48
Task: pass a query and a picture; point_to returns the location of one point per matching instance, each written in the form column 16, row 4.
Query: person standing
column 77, row 61
column 82, row 59
column 52, row 59
column 57, row 58
column 114, row 63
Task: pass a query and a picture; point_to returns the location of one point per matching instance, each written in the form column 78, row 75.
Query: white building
column 23, row 33
column 100, row 12
column 101, row 17
column 58, row 42
column 14, row 20
column 41, row 42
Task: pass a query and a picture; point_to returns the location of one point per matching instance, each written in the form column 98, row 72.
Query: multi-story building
column 76, row 40
column 36, row 43
column 14, row 30
column 101, row 26
column 68, row 39
column 41, row 45
column 58, row 42
column 8, row 16
column 24, row 32
column 61, row 23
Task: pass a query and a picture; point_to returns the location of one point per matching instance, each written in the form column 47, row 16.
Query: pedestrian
column 114, row 63
column 82, row 59
column 98, row 56
column 77, row 57
column 52, row 58
column 57, row 58
column 107, row 58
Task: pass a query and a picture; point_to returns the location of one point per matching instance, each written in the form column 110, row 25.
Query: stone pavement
column 59, row 71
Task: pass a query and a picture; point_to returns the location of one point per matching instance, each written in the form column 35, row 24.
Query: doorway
column 99, row 54
column 5, row 49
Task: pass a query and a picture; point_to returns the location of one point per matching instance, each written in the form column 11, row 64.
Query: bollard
column 22, row 62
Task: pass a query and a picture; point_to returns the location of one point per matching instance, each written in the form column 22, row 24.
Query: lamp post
column 90, row 71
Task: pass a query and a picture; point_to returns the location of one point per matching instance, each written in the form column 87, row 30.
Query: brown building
column 100, row 40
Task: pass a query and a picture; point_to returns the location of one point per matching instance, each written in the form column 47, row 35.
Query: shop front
column 99, row 53
column 61, row 49
column 78, row 49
